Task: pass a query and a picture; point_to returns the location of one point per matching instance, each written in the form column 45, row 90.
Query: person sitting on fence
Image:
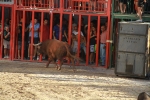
column 6, row 41
column 123, row 5
column 140, row 9
column 93, row 4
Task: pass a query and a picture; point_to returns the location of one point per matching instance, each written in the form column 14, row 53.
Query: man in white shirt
column 75, row 42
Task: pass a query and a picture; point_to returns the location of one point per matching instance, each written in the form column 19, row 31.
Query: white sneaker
column 139, row 20
column 38, row 58
column 5, row 57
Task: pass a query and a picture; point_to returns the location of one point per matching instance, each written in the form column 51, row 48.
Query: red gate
column 88, row 10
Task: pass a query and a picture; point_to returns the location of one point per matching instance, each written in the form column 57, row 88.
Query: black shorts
column 35, row 40
column 123, row 1
column 140, row 3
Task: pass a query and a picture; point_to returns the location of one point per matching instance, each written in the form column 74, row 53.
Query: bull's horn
column 37, row 44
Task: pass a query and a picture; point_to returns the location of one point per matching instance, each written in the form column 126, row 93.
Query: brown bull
column 56, row 50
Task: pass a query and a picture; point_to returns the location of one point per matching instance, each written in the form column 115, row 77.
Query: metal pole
column 61, row 15
column 32, row 37
column 108, row 35
column 23, row 35
column 41, row 30
column 2, row 30
column 79, row 33
column 98, row 41
column 13, row 35
column 88, row 40
column 51, row 24
column 70, row 29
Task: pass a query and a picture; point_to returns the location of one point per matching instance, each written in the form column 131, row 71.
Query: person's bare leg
column 140, row 13
column 35, row 51
column 5, row 52
column 19, row 54
column 124, row 8
column 29, row 50
column 8, row 50
column 90, row 58
column 121, row 9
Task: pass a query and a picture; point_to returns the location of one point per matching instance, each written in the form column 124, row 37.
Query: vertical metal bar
column 79, row 34
column 108, row 34
column 98, row 41
column 2, row 29
column 61, row 16
column 11, row 32
column 32, row 37
column 23, row 35
column 107, row 43
column 41, row 30
column 88, row 40
column 51, row 25
column 70, row 29
column 60, row 28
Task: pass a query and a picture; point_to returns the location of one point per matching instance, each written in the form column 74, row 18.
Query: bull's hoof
column 46, row 66
column 74, row 70
column 58, row 68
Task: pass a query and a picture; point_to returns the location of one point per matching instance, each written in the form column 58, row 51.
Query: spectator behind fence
column 46, row 32
column 123, row 5
column 6, row 41
column 6, row 23
column 56, row 31
column 65, row 30
column 92, row 44
column 35, row 37
column 19, row 31
column 73, row 24
column 103, row 45
column 75, row 42
column 140, row 9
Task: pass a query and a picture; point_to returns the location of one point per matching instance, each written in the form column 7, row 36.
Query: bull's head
column 38, row 46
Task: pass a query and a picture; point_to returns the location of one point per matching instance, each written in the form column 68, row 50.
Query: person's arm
column 20, row 24
column 30, row 27
column 6, row 34
column 54, row 34
column 65, row 34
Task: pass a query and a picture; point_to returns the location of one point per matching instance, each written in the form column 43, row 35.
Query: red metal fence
column 27, row 10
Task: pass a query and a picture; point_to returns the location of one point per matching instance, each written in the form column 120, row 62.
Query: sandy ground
column 31, row 81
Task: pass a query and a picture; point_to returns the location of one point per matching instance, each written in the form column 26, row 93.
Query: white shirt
column 75, row 33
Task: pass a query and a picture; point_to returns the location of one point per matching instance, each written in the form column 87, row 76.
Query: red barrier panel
column 60, row 10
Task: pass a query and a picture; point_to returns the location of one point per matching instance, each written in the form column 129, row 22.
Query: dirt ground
column 31, row 81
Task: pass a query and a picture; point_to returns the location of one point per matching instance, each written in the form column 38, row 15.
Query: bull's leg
column 73, row 64
column 61, row 63
column 49, row 61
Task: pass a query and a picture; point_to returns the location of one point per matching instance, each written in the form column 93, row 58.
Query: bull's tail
column 69, row 54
